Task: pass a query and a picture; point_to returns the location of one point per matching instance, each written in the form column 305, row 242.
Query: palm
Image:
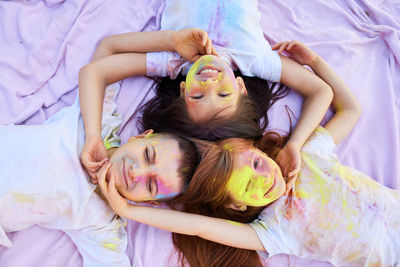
column 192, row 43
column 93, row 156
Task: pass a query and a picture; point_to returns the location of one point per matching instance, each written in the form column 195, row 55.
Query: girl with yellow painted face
column 331, row 212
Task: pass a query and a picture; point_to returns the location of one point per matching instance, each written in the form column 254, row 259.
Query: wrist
column 316, row 62
column 170, row 37
column 92, row 135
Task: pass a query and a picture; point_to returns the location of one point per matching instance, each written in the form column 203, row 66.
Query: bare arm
column 218, row 230
column 190, row 43
column 317, row 98
column 347, row 108
column 93, row 79
column 345, row 103
column 222, row 231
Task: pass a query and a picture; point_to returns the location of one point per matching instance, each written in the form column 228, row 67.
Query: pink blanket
column 45, row 43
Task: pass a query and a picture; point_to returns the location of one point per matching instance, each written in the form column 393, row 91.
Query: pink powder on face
column 164, row 191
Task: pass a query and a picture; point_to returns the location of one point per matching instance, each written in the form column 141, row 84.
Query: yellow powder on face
column 23, row 197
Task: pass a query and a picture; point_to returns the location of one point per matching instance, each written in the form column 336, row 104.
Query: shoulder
column 320, row 140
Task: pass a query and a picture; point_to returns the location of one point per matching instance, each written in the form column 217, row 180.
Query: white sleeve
column 320, row 141
column 104, row 246
column 4, row 240
column 111, row 121
column 268, row 65
column 164, row 64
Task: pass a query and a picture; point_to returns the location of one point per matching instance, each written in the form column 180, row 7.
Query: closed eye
column 146, row 154
column 256, row 163
column 149, row 185
column 197, row 97
column 224, row 95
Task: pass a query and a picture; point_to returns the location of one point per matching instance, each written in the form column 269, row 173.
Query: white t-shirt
column 336, row 213
column 43, row 183
column 232, row 25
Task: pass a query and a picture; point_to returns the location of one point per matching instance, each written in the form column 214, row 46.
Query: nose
column 208, row 81
column 133, row 174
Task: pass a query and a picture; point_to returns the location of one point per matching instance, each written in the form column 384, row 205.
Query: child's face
column 211, row 88
column 256, row 179
column 146, row 168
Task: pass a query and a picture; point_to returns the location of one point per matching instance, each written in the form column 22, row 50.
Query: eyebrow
column 153, row 158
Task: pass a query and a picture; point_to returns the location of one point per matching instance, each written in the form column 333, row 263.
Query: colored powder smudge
column 111, row 246
column 234, row 223
column 23, row 197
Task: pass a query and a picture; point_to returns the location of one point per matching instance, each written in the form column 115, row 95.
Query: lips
column 208, row 71
column 124, row 173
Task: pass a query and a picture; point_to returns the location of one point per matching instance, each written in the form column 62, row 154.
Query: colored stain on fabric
column 19, row 197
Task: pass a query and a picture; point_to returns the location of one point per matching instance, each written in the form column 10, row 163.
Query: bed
column 43, row 45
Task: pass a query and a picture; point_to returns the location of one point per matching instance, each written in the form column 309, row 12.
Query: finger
column 204, row 37
column 289, row 186
column 276, row 46
column 101, row 175
column 293, row 172
column 282, row 48
column 214, row 52
column 290, row 44
column 111, row 186
column 208, row 47
column 193, row 59
column 201, row 39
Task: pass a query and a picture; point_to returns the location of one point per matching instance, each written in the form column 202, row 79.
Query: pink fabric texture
column 45, row 43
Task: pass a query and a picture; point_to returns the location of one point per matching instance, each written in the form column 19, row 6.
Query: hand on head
column 118, row 204
column 297, row 51
column 289, row 159
column 94, row 155
column 192, row 43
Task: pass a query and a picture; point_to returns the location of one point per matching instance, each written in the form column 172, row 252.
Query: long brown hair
column 207, row 195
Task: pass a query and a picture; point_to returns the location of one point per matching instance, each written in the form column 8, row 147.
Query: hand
column 289, row 159
column 94, row 155
column 298, row 51
column 117, row 203
column 192, row 43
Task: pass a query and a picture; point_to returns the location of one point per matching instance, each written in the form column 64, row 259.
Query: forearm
column 93, row 79
column 139, row 42
column 346, row 105
column 317, row 98
column 313, row 110
column 91, row 95
column 218, row 230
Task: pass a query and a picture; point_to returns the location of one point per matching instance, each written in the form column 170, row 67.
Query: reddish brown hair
column 207, row 195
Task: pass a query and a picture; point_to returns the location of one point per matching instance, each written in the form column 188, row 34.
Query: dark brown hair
column 207, row 195
column 167, row 112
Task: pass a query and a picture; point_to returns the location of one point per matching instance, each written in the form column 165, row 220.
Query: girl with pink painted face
column 331, row 213
column 206, row 99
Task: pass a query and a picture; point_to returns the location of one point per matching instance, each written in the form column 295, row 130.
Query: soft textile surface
column 43, row 45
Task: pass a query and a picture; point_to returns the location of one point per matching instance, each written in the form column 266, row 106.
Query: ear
column 142, row 135
column 182, row 87
column 241, row 85
column 239, row 207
